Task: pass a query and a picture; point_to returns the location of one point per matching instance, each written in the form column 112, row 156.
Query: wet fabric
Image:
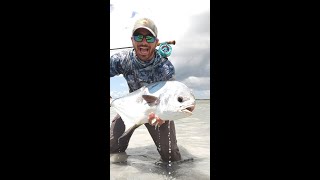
column 168, row 150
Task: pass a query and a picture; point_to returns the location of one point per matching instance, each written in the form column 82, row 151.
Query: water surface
column 193, row 136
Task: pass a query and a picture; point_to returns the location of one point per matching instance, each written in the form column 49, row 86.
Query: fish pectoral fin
column 151, row 100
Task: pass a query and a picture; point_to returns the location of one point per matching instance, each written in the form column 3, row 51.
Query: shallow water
column 193, row 136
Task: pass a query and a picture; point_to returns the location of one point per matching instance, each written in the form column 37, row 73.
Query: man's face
column 144, row 50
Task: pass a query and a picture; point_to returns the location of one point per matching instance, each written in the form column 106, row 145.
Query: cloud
column 197, row 83
column 191, row 54
column 187, row 23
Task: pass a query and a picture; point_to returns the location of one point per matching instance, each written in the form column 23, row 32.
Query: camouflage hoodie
column 139, row 73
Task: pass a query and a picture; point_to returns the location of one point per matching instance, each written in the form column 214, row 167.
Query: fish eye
column 180, row 99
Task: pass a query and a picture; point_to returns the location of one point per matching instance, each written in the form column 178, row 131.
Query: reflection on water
column 193, row 136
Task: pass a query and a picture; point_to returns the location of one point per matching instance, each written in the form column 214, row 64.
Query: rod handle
column 173, row 42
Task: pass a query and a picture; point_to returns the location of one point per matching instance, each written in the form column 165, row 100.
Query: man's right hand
column 154, row 120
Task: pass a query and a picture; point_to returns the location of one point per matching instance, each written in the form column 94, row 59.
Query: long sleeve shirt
column 140, row 73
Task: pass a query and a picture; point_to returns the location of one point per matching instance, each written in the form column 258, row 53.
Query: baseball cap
column 145, row 23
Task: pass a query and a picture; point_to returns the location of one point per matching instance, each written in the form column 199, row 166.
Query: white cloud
column 172, row 17
column 187, row 22
column 197, row 83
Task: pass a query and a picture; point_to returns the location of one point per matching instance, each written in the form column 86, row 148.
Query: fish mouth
column 189, row 109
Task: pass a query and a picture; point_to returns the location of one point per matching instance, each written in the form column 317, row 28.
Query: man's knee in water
column 169, row 154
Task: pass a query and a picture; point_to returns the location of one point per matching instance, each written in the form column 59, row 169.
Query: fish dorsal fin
column 151, row 100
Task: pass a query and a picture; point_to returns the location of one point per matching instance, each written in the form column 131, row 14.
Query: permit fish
column 169, row 100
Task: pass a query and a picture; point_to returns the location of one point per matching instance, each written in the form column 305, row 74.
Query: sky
column 186, row 22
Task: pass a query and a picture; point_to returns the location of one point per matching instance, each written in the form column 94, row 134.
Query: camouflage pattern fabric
column 139, row 73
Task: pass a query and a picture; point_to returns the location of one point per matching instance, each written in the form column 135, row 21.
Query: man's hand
column 155, row 120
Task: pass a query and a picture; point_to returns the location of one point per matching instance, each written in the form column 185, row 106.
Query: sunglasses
column 149, row 39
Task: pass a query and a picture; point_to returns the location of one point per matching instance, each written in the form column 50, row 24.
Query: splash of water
column 169, row 163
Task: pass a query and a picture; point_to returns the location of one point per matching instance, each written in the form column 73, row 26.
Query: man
column 141, row 66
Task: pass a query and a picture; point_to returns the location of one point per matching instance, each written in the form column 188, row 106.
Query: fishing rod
column 167, row 42
column 164, row 48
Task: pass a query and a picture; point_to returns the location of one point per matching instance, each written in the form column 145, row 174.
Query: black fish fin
column 151, row 100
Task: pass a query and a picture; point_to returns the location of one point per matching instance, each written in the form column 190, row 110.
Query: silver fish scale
column 134, row 110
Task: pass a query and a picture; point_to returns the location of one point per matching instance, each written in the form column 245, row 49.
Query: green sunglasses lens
column 150, row 39
column 139, row 38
